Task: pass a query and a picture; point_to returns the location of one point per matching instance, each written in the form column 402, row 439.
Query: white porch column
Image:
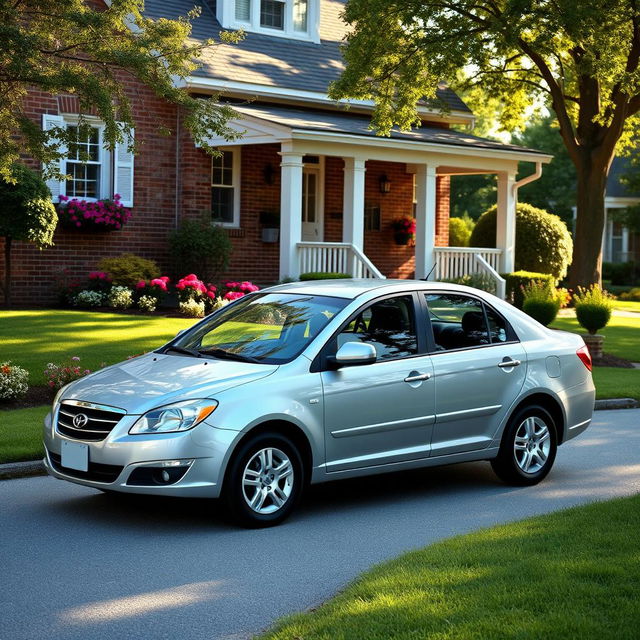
column 425, row 219
column 506, row 221
column 353, row 206
column 290, row 213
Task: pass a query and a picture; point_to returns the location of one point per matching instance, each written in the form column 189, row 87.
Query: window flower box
column 86, row 216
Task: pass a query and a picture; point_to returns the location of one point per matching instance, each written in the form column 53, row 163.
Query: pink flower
column 141, row 284
column 75, row 359
column 63, row 198
column 211, row 294
column 233, row 295
column 165, row 278
column 232, row 285
column 248, row 287
column 191, row 276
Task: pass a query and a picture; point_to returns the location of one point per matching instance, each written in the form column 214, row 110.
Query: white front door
column 312, row 209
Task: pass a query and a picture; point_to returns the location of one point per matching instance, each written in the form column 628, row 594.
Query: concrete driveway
column 77, row 564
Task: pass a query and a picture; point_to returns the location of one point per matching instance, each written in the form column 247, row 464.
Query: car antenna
column 430, row 272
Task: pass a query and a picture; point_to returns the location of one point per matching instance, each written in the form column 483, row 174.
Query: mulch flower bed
column 36, row 396
column 609, row 360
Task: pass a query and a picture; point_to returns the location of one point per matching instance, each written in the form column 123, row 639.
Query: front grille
column 97, row 472
column 96, row 427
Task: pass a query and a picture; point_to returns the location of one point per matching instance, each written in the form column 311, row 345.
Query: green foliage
column 128, row 269
column 27, row 211
column 460, row 231
column 478, row 280
column 543, row 243
column 632, row 296
column 593, row 308
column 555, row 190
column 472, row 195
column 541, row 302
column 323, row 275
column 197, row 246
column 518, row 280
column 74, row 46
column 621, row 273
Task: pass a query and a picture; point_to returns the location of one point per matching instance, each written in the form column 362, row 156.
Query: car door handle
column 418, row 378
column 505, row 364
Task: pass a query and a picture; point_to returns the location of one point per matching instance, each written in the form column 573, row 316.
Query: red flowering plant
column 235, row 290
column 99, row 281
column 156, row 288
column 57, row 375
column 404, row 224
column 192, row 288
column 101, row 215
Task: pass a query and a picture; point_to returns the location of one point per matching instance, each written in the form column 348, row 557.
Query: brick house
column 334, row 184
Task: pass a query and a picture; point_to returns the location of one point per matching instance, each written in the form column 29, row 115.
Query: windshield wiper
column 228, row 355
column 184, row 350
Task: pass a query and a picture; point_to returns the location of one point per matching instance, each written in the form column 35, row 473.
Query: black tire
column 510, row 464
column 236, row 494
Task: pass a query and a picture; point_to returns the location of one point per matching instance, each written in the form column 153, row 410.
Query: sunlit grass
column 572, row 574
column 622, row 335
column 21, row 434
column 31, row 339
column 627, row 305
column 612, row 382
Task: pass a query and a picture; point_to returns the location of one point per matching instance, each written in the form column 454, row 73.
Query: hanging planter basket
column 401, row 237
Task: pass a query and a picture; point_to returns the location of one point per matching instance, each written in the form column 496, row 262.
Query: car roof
column 353, row 287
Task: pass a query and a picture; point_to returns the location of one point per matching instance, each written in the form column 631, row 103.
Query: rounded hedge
column 543, row 242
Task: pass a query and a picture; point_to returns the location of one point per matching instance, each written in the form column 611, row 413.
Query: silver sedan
column 311, row 382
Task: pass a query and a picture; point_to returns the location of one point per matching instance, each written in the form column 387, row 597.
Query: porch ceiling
column 264, row 123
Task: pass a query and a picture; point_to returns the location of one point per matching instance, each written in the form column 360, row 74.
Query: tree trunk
column 586, row 267
column 7, row 272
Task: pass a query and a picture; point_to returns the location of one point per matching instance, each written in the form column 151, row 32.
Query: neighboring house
column 619, row 244
column 335, row 185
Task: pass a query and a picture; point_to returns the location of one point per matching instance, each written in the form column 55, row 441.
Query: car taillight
column 585, row 356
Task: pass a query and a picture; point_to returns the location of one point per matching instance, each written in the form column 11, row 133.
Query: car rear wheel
column 528, row 447
column 264, row 481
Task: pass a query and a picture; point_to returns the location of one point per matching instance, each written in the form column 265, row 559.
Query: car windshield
column 270, row 328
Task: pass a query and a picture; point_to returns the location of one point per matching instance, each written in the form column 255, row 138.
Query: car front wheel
column 264, row 482
column 528, row 447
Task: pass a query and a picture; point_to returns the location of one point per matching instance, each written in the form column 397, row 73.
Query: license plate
column 75, row 455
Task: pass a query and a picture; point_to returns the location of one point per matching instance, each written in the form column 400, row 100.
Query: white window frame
column 108, row 162
column 235, row 185
column 226, row 14
column 104, row 161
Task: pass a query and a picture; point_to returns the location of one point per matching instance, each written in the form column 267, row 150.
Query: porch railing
column 455, row 262
column 336, row 257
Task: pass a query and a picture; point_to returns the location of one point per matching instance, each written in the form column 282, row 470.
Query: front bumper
column 125, row 463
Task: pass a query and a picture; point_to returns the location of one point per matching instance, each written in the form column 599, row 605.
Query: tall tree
column 85, row 48
column 582, row 58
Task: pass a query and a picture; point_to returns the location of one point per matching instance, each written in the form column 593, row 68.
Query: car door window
column 458, row 322
column 498, row 331
column 389, row 325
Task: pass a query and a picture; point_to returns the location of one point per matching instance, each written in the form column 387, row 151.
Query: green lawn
column 627, row 305
column 612, row 382
column 572, row 574
column 21, row 434
column 622, row 335
column 33, row 338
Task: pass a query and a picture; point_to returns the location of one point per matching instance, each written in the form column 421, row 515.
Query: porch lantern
column 385, row 184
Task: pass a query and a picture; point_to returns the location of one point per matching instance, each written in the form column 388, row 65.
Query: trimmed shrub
column 87, row 298
column 200, row 247
column 460, row 231
column 543, row 242
column 13, row 381
column 516, row 281
column 147, row 303
column 593, row 308
column 128, row 269
column 323, row 275
column 192, row 308
column 633, row 295
column 541, row 302
column 621, row 273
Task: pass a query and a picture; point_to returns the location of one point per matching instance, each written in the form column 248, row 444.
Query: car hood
column 155, row 379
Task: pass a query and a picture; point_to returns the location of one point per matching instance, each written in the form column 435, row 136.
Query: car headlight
column 180, row 416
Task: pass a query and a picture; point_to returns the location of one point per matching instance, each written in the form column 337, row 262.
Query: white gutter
column 283, row 94
column 527, row 179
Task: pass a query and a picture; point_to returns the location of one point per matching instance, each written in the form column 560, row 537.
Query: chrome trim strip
column 384, row 426
column 468, row 413
column 93, row 405
column 73, row 415
column 580, row 424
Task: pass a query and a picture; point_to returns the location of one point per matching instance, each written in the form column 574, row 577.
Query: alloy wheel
column 267, row 480
column 532, row 444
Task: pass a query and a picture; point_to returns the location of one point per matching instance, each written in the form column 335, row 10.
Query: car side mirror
column 352, row 354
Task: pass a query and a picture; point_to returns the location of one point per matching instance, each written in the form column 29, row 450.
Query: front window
column 83, row 164
column 270, row 328
column 272, row 14
column 224, row 188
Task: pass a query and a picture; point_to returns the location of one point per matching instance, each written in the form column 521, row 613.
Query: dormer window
column 284, row 18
